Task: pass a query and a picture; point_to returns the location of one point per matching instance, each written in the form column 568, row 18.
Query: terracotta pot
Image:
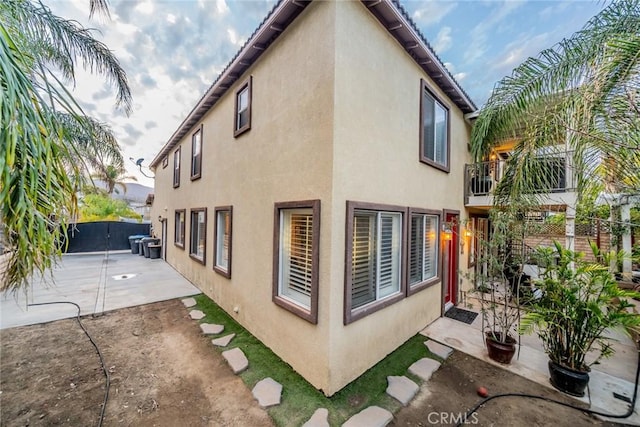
column 568, row 380
column 501, row 352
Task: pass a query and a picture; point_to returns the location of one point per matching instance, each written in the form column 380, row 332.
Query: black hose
column 568, row 405
column 104, row 367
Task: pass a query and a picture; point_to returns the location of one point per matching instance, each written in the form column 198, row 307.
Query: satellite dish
column 139, row 161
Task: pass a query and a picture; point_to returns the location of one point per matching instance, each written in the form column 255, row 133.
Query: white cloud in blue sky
column 173, row 50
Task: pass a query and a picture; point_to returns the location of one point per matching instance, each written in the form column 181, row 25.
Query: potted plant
column 498, row 272
column 580, row 302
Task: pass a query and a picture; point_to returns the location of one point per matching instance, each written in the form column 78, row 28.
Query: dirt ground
column 165, row 373
column 452, row 391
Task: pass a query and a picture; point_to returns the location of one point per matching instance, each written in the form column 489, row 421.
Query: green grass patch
column 299, row 398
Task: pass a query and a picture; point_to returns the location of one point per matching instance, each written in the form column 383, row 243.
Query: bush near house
column 98, row 207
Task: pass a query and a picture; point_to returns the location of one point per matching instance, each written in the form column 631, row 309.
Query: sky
column 172, row 51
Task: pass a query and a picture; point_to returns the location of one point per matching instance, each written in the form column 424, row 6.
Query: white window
column 296, row 261
column 242, row 121
column 222, row 247
column 198, row 234
column 297, row 234
column 179, row 228
column 434, row 143
column 375, row 256
column 196, row 154
column 423, row 248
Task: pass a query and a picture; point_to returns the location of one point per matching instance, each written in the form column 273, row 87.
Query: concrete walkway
column 615, row 374
column 97, row 282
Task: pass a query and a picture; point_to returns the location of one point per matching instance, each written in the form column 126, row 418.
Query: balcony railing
column 556, row 175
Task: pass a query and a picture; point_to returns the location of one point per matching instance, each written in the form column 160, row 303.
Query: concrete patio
column 97, row 282
column 616, row 374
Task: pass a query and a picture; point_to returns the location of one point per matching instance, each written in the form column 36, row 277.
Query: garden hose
column 104, row 367
column 632, row 405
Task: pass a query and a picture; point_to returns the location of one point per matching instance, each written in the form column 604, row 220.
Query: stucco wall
column 335, row 117
column 376, row 159
column 286, row 156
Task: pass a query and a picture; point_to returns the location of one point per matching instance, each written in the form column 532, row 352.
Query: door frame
column 164, row 239
column 450, row 247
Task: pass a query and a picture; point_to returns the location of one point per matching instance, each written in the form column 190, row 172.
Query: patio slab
column 97, row 282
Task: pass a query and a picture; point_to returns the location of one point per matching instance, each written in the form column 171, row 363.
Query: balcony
column 557, row 181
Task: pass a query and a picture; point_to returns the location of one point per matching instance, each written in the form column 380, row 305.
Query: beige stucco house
column 316, row 191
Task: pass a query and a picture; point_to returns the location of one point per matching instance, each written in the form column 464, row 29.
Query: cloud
column 444, row 41
column 432, row 12
column 150, row 125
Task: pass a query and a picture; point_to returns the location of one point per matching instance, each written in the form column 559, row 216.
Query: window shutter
column 387, row 267
column 299, row 264
column 363, row 260
column 416, row 250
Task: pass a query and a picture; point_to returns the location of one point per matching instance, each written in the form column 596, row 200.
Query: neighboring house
column 316, row 191
column 136, row 196
column 558, row 192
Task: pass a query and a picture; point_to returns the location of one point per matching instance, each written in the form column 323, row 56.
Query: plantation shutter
column 363, row 260
column 388, row 254
column 430, row 247
column 416, row 249
column 300, row 262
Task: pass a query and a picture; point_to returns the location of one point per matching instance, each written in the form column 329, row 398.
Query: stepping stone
column 223, row 341
column 196, row 314
column 373, row 416
column 267, row 392
column 211, row 328
column 438, row 349
column 402, row 389
column 424, row 368
column 189, row 302
column 318, row 419
column 236, row 359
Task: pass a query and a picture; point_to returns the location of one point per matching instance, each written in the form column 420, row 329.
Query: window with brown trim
column 179, row 228
column 198, row 235
column 470, row 238
column 374, row 258
column 423, row 238
column 222, row 240
column 176, row 168
column 434, row 130
column 242, row 121
column 196, row 154
column 296, row 241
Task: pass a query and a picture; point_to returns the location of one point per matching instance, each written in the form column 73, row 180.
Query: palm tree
column 583, row 92
column 113, row 176
column 38, row 155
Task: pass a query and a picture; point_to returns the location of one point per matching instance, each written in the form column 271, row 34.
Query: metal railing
column 555, row 175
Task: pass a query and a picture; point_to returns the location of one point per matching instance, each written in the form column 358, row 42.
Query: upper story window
column 374, row 258
column 222, row 241
column 179, row 228
column 196, row 154
column 434, row 130
column 423, row 240
column 198, row 237
column 296, row 257
column 176, row 168
column 242, row 122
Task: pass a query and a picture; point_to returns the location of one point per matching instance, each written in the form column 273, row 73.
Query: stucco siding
column 376, row 160
column 285, row 156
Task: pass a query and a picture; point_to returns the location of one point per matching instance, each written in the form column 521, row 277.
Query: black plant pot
column 501, row 352
column 568, row 380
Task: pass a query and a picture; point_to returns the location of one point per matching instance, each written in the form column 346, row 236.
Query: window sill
column 222, row 271
column 242, row 130
column 351, row 315
column 197, row 258
column 417, row 287
column 436, row 165
column 179, row 245
column 194, row 177
column 310, row 316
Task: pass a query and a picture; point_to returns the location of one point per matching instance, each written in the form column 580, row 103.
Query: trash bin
column 154, row 251
column 146, row 241
column 140, row 248
column 133, row 244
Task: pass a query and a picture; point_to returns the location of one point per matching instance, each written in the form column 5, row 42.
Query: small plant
column 580, row 301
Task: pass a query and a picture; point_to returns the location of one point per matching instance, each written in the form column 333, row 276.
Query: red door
column 450, row 242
